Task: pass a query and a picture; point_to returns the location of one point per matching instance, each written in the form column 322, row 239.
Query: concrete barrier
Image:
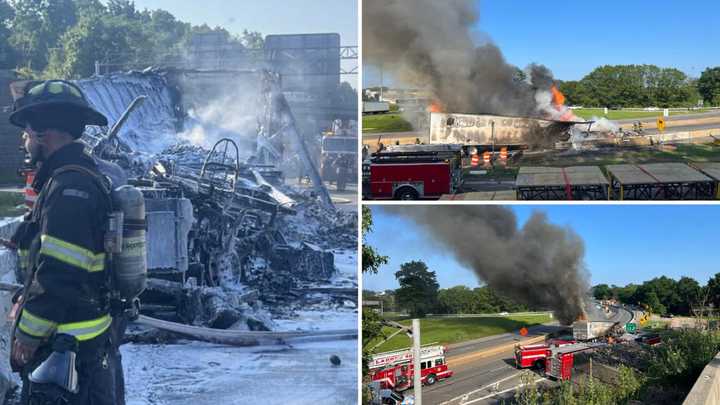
column 8, row 263
column 706, row 390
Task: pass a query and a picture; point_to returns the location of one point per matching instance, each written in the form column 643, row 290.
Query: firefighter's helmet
column 54, row 93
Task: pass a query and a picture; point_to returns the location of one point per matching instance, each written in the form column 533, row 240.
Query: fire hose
column 245, row 338
column 229, row 336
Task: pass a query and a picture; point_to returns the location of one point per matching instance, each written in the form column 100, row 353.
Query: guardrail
column 706, row 390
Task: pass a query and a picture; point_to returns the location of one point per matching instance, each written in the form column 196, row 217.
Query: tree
column 26, row 38
column 602, row 292
column 709, row 85
column 456, row 300
column 713, row 290
column 252, row 39
column 689, row 292
column 8, row 56
column 626, row 294
column 37, row 28
column 371, row 260
column 418, row 290
column 652, row 301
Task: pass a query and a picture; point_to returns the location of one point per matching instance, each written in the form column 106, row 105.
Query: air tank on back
column 131, row 263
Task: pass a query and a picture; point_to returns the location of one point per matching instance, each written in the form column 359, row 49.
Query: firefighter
column 64, row 306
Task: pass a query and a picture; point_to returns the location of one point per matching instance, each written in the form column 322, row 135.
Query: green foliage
column 587, row 391
column 8, row 55
column 447, row 330
column 713, row 290
column 372, row 330
column 602, row 292
column 662, row 295
column 418, row 290
column 64, row 38
column 481, row 300
column 682, row 357
column 631, row 86
column 371, row 260
column 376, row 123
column 709, row 85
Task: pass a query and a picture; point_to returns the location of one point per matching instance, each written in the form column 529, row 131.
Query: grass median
column 385, row 123
column 589, row 113
column 453, row 330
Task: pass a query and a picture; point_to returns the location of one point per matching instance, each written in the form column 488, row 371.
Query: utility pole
column 381, row 82
column 417, row 380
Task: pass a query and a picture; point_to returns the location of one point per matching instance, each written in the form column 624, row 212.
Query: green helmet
column 54, row 93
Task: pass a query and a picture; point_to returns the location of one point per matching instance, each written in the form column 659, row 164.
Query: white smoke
column 234, row 115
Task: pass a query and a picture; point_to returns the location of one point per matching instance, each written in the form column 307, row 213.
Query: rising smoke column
column 539, row 264
column 429, row 44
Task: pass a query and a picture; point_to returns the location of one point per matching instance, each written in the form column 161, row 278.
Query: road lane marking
column 501, row 392
column 467, row 394
column 454, row 362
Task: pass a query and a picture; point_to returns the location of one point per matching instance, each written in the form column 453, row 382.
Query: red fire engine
column 556, row 358
column 411, row 172
column 394, row 370
column 534, row 355
column 559, row 363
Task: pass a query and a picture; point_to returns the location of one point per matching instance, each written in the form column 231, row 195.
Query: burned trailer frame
column 487, row 132
column 562, row 183
column 234, row 209
column 660, row 181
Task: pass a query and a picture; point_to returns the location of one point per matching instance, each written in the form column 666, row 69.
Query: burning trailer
column 484, row 132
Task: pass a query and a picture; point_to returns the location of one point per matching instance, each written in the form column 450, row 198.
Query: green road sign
column 630, row 327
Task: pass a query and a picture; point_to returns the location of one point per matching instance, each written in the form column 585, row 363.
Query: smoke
column 429, row 44
column 540, row 264
column 231, row 113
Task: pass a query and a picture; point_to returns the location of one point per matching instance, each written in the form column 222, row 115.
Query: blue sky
column 574, row 37
column 623, row 244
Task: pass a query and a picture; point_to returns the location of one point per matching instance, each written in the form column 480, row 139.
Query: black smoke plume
column 429, row 44
column 540, row 264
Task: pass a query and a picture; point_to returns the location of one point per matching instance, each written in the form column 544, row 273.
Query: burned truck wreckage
column 229, row 245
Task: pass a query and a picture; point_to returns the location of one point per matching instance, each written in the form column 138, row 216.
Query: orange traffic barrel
column 30, row 194
column 475, row 160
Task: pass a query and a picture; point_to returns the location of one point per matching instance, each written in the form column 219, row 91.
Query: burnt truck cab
column 339, row 154
column 412, row 172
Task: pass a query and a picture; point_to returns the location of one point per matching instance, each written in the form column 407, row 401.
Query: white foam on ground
column 204, row 374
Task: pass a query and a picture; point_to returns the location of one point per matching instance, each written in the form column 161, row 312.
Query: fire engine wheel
column 431, row 379
column 406, row 193
column 539, row 365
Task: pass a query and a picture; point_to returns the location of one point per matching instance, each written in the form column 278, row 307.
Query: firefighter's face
column 34, row 144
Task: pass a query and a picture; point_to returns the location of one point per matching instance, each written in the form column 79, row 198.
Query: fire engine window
column 438, row 362
column 423, row 365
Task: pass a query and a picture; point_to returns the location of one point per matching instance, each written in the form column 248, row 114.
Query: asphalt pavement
column 484, row 368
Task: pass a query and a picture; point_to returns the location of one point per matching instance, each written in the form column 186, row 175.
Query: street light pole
column 417, row 380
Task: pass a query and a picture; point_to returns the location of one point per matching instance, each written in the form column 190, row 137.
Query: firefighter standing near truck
column 62, row 343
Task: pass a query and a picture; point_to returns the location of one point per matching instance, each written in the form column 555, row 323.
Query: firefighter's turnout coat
column 62, row 255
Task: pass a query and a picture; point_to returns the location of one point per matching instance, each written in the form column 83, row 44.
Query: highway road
column 483, row 367
column 485, row 370
column 674, row 123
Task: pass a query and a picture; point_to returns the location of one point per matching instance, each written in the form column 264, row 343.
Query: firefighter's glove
column 22, row 353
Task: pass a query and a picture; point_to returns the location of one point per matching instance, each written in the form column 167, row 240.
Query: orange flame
column 435, row 107
column 582, row 317
column 558, row 97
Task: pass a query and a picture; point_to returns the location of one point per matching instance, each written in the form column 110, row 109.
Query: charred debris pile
column 230, row 246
